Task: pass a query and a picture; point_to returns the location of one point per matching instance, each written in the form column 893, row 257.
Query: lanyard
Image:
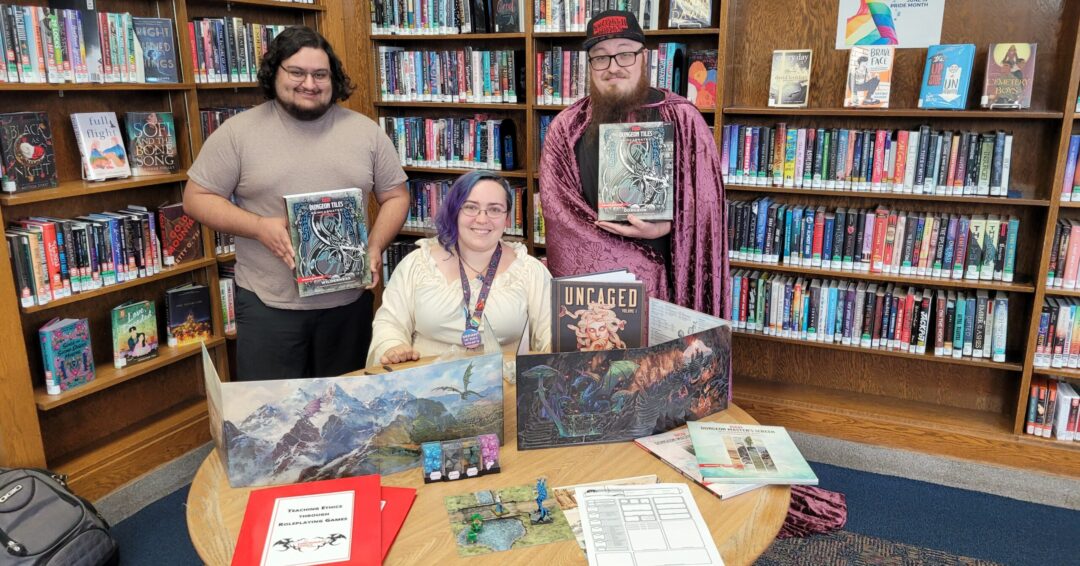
column 470, row 338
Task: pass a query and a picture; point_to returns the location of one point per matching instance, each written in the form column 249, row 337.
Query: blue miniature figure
column 542, row 514
column 499, row 510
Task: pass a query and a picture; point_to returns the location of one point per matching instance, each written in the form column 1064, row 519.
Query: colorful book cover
column 593, row 316
column 690, row 14
column 789, row 85
column 701, row 78
column 329, row 237
column 154, row 37
column 1010, row 72
column 151, row 140
column 65, row 350
column 947, row 76
column 27, row 159
column 869, row 77
column 181, row 235
column 134, row 333
column 187, row 312
column 677, row 450
column 736, row 453
column 100, row 145
column 636, row 174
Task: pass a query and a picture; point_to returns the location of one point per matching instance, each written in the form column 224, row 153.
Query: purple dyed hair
column 446, row 221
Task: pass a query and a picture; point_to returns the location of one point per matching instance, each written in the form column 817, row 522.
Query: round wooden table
column 743, row 527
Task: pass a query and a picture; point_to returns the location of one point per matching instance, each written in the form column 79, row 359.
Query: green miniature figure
column 476, row 524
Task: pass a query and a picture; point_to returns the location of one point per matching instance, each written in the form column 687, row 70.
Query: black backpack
column 43, row 523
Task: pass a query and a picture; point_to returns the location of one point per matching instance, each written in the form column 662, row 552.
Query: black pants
column 279, row 343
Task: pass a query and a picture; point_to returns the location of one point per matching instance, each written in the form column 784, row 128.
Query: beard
column 305, row 114
column 614, row 107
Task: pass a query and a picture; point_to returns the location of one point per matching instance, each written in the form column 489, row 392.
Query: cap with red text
column 611, row 24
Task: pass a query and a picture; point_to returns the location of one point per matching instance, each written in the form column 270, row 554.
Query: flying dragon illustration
column 464, row 392
column 595, row 394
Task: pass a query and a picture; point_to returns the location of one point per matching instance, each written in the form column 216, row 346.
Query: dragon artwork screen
column 616, row 395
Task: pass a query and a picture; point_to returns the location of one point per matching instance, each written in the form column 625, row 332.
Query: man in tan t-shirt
column 299, row 141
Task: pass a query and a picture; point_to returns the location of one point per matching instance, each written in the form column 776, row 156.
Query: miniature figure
column 499, row 510
column 542, row 515
column 476, row 524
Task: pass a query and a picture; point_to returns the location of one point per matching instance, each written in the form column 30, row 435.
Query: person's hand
column 637, row 228
column 273, row 233
column 375, row 261
column 398, row 354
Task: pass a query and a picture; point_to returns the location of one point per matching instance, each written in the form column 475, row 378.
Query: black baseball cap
column 611, row 24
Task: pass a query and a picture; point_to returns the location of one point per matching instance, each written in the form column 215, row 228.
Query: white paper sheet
column 303, row 530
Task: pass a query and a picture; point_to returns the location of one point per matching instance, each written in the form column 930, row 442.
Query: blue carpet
column 915, row 513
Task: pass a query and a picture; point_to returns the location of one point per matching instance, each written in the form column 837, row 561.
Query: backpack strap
column 13, row 547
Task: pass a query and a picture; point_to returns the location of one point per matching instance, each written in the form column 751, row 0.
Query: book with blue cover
column 66, row 353
column 947, row 76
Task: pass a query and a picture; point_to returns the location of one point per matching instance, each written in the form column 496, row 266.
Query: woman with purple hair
column 444, row 293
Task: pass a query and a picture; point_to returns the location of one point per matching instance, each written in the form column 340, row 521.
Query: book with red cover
column 397, row 501
column 309, row 523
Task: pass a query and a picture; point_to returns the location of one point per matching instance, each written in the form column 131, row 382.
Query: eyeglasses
column 624, row 59
column 299, row 75
column 494, row 212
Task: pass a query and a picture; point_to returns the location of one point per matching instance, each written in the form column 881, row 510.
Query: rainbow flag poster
column 900, row 23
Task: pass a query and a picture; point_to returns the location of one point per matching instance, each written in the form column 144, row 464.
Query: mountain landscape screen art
column 297, row 430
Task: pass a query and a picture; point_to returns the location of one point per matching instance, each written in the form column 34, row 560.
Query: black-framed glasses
column 624, row 59
column 494, row 211
column 299, row 75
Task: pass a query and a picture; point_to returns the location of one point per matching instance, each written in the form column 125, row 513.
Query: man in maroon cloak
column 683, row 261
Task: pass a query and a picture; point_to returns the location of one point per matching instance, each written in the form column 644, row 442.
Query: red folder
column 364, row 539
column 397, row 502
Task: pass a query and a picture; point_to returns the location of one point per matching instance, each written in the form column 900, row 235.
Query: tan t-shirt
column 260, row 155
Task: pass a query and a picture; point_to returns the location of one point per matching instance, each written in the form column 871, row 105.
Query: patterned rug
column 843, row 548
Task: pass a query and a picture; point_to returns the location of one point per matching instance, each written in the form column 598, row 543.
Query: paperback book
column 187, row 314
column 701, row 78
column 1010, row 73
column 101, row 147
column 66, row 353
column 154, row 39
column 947, row 76
column 636, row 171
column 151, row 140
column 736, row 453
column 869, row 77
column 689, row 14
column 27, row 158
column 181, row 235
column 676, row 450
column 329, row 238
column 789, row 85
column 602, row 311
column 134, row 333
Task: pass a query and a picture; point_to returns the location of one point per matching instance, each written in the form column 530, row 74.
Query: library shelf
column 430, row 233
column 99, row 468
column 226, row 257
column 1043, row 442
column 1071, row 373
column 1070, row 204
column 164, row 274
column 225, row 86
column 1059, row 292
column 454, row 105
column 886, row 195
column 68, row 189
column 107, row 375
column 1004, row 366
column 516, row 174
column 895, row 113
column 1014, row 287
column 444, row 36
column 101, row 87
column 648, row 33
column 983, row 436
column 275, row 4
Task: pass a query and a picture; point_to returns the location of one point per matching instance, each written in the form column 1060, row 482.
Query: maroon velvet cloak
column 698, row 234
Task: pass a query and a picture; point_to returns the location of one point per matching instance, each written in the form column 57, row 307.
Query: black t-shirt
column 587, row 150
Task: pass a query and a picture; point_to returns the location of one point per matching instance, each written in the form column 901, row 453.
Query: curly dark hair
column 286, row 44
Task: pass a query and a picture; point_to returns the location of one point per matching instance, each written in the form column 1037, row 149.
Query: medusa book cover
column 636, row 171
column 329, row 238
column 597, row 315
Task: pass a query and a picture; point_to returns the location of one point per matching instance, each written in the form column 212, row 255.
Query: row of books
column 957, row 324
column 224, row 243
column 946, row 246
column 393, row 254
column 66, row 350
column 225, row 50
column 920, row 161
column 446, row 17
column 1009, row 77
column 211, row 118
column 459, row 143
column 1057, row 344
column 1053, row 409
column 1070, row 185
column 29, row 158
column 1064, row 255
column 427, row 198
column 60, row 45
column 459, row 75
column 539, row 227
column 227, row 291
column 53, row 258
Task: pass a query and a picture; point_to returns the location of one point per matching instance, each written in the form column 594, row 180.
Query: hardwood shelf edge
column 887, row 278
column 225, row 86
column 515, row 174
column 92, row 87
column 887, row 195
column 444, row 36
column 895, row 113
column 70, row 189
column 283, row 5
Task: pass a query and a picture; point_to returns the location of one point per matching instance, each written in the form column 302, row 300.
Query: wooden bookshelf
column 1014, row 287
column 93, row 87
column 886, row 195
column 226, row 86
column 895, row 113
column 79, row 188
